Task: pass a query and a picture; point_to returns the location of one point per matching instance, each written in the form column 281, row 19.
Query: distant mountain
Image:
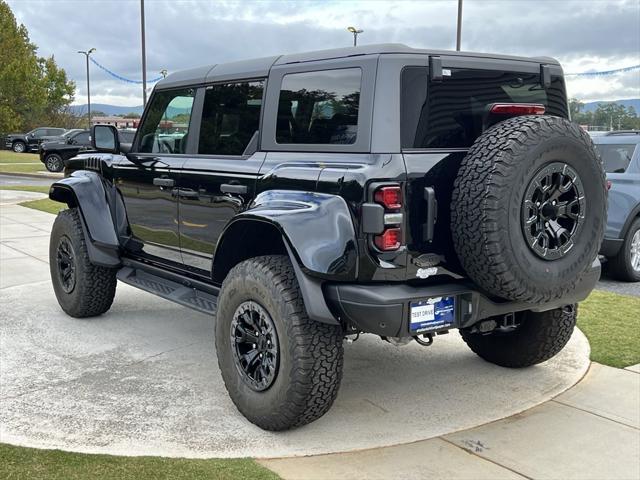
column 106, row 108
column 116, row 110
column 630, row 102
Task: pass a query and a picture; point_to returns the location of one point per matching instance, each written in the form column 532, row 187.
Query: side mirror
column 104, row 138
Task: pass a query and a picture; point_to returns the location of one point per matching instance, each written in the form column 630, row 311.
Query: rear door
column 218, row 181
column 148, row 176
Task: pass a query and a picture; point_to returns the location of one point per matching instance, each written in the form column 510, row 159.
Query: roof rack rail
column 623, row 132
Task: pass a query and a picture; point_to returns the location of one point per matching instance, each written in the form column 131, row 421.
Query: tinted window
column 39, row 132
column 166, row 124
column 82, row 139
column 55, row 132
column 230, row 117
column 319, row 107
column 454, row 113
column 616, row 157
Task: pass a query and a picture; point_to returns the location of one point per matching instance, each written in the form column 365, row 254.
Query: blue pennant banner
column 605, row 73
column 120, row 77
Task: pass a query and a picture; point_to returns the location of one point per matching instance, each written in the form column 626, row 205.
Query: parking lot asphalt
column 143, row 379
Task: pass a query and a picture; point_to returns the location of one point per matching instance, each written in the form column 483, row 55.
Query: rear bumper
column 611, row 246
column 384, row 309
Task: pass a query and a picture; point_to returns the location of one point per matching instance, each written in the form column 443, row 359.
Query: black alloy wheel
column 553, row 210
column 255, row 345
column 66, row 260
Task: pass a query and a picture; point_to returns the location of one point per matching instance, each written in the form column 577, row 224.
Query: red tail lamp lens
column 389, row 197
column 389, row 240
column 518, row 109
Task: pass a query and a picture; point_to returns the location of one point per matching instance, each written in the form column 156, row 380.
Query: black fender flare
column 85, row 190
column 317, row 226
column 318, row 235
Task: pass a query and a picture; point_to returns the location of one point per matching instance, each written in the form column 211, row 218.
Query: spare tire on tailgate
column 529, row 208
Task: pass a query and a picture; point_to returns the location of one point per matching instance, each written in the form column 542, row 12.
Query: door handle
column 164, row 182
column 229, row 188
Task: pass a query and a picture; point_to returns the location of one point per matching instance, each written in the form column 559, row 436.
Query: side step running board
column 189, row 296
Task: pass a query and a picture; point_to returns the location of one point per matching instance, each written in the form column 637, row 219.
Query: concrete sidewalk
column 591, row 431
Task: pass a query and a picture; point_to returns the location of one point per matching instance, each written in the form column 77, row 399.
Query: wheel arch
column 633, row 216
column 314, row 230
column 85, row 191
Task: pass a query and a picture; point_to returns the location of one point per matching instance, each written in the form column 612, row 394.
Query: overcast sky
column 583, row 34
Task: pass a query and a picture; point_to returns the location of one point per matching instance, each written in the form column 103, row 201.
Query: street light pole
column 144, row 56
column 355, row 32
column 459, row 32
column 86, row 54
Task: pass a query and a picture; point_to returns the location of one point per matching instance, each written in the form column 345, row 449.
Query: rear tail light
column 389, row 197
column 390, row 239
column 609, row 184
column 517, row 109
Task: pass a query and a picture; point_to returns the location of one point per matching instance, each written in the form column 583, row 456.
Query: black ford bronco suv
column 304, row 198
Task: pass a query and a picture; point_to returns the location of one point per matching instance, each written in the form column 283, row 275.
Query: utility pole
column 355, row 32
column 86, row 54
column 144, row 56
column 459, row 31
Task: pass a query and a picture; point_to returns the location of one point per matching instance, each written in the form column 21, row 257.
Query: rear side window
column 230, row 117
column 319, row 107
column 616, row 157
column 452, row 113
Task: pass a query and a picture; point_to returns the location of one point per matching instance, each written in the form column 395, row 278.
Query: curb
column 32, row 175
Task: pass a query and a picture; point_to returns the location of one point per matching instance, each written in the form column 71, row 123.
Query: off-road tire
column 54, row 163
column 540, row 336
column 620, row 266
column 19, row 147
column 95, row 286
column 310, row 352
column 488, row 198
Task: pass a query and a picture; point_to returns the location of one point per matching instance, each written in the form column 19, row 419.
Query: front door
column 148, row 177
column 219, row 181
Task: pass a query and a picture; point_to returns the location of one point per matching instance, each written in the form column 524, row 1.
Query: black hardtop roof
column 259, row 67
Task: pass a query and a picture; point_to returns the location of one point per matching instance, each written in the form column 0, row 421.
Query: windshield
column 69, row 133
column 616, row 157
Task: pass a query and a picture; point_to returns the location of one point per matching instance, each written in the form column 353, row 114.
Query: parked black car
column 54, row 153
column 29, row 142
column 377, row 189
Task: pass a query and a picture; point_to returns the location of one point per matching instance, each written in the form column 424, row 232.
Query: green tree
column 616, row 116
column 33, row 90
column 131, row 115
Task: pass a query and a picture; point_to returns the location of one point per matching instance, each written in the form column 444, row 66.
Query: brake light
column 517, row 109
column 389, row 197
column 390, row 239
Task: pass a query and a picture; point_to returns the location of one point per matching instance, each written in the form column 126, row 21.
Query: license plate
column 432, row 314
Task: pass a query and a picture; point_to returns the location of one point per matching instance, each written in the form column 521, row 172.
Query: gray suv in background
column 620, row 152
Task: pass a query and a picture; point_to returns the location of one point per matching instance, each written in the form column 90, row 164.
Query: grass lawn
column 611, row 322
column 19, row 168
column 19, row 462
column 7, row 156
column 43, row 204
column 11, row 162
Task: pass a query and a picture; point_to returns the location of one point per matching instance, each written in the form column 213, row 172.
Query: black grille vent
column 92, row 163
